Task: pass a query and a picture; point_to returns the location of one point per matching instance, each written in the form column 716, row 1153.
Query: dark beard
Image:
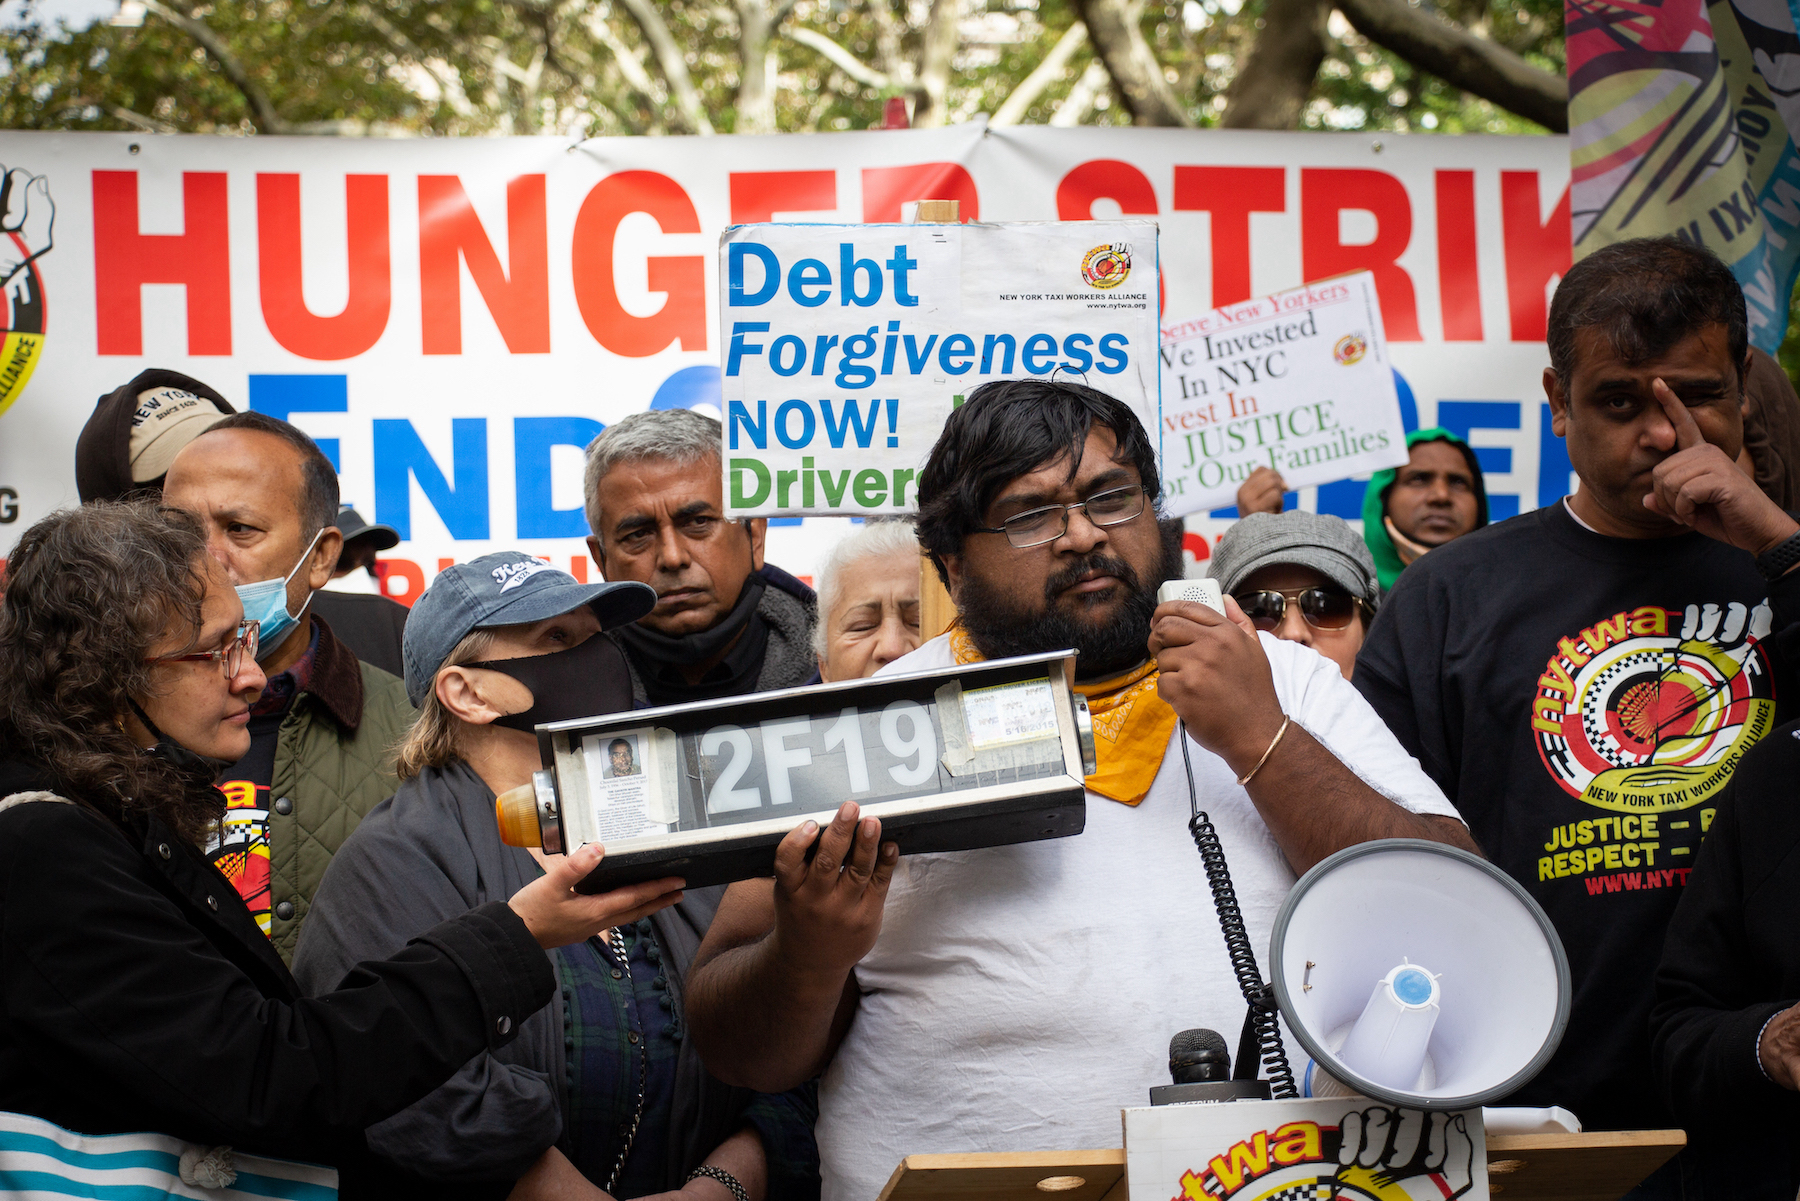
column 1001, row 628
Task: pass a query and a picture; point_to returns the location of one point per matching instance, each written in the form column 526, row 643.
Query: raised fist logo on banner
column 27, row 219
column 1382, row 1151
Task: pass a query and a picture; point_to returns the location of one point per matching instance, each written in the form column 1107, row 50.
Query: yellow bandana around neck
column 1132, row 725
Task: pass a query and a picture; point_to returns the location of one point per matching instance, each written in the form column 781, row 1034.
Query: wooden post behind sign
column 936, row 610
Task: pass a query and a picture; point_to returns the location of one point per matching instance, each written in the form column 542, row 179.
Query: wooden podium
column 1521, row 1167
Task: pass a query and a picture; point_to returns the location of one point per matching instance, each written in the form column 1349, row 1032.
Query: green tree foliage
column 591, row 67
column 1361, row 86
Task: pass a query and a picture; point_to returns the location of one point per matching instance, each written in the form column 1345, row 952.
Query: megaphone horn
column 1418, row 974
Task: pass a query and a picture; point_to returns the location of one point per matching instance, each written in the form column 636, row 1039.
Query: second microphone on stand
column 1200, row 1068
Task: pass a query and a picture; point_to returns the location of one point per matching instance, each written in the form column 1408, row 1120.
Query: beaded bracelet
column 723, row 1177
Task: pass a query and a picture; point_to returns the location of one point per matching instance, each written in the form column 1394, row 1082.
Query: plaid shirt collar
column 283, row 687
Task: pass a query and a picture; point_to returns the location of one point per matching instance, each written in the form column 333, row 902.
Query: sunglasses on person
column 1323, row 608
column 232, row 656
column 1034, row 527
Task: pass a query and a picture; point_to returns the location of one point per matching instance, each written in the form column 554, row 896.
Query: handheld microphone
column 1200, row 1067
column 1200, row 592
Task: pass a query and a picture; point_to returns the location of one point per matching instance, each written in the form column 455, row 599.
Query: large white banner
column 454, row 319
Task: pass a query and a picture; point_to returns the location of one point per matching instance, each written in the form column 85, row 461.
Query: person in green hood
column 1437, row 497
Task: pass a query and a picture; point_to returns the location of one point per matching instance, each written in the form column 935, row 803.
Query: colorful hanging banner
column 1676, row 129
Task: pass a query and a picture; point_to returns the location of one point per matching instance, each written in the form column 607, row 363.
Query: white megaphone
column 1419, row 975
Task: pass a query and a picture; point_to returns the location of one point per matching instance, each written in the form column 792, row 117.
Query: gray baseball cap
column 1326, row 545
column 506, row 588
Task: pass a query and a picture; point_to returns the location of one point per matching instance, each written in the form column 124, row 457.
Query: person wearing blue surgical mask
column 266, row 601
column 323, row 730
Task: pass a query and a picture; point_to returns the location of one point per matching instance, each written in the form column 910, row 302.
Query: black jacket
column 432, row 850
column 139, row 994
column 373, row 627
column 1731, row 961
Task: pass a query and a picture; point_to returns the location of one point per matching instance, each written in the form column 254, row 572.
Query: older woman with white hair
column 868, row 601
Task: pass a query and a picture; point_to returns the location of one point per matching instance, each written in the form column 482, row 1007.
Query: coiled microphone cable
column 1259, row 996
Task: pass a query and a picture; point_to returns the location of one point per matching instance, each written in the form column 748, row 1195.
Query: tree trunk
column 1055, row 64
column 1137, row 77
column 1461, row 59
column 674, row 65
column 1080, row 100
column 1277, row 75
column 935, row 56
column 757, row 20
column 262, row 111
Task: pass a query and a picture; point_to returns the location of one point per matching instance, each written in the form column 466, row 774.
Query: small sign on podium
column 1313, row 1150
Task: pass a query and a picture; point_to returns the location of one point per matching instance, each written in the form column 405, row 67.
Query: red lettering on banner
column 885, row 189
column 1230, row 194
column 278, row 248
column 1459, row 269
column 401, row 569
column 759, row 195
column 1104, row 179
column 517, row 296
column 683, row 314
column 125, row 260
column 1327, row 191
column 1108, row 179
column 1536, row 250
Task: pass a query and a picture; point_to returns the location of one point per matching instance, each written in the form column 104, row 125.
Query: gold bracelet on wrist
column 1273, row 743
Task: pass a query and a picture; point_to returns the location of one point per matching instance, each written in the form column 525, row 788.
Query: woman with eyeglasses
column 139, row 992
column 1302, row 577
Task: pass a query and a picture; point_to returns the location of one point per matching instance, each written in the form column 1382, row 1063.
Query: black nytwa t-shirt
column 239, row 847
column 1583, row 700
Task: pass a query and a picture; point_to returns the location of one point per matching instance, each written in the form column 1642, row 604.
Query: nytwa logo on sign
column 1350, row 1149
column 1107, row 266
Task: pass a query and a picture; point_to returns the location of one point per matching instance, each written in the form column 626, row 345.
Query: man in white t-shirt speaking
column 1016, row 998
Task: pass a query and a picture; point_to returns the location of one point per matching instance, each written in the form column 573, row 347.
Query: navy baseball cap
column 506, row 588
column 351, row 524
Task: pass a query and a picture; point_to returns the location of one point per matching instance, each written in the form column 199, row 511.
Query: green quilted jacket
column 334, row 761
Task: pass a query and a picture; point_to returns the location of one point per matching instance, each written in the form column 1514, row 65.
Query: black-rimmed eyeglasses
column 231, row 656
column 1034, row 527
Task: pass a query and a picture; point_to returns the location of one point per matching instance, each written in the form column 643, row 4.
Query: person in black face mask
column 601, row 1091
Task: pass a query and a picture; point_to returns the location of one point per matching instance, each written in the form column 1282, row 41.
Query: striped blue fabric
column 39, row 1159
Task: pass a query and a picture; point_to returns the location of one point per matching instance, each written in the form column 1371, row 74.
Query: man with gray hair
column 868, row 600
column 725, row 622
